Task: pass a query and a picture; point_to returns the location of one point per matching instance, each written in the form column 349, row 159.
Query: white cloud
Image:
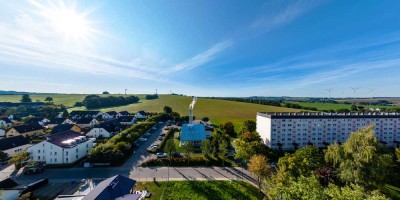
column 204, row 57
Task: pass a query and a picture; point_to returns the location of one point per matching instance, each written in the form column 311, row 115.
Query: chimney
column 191, row 107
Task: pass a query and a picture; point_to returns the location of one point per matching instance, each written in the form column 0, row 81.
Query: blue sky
column 203, row 48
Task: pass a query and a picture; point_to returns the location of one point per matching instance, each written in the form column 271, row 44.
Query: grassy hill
column 66, row 99
column 217, row 110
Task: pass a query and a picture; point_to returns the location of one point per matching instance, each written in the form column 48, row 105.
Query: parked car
column 160, row 138
column 154, row 128
column 162, row 134
column 34, row 170
column 161, row 155
column 142, row 139
column 147, row 134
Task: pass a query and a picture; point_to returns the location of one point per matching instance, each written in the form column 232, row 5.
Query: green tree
column 244, row 150
column 359, row 160
column 228, row 128
column 26, row 98
column 188, row 149
column 106, row 92
column 206, row 148
column 223, row 150
column 170, row 148
column 167, row 110
column 205, row 119
column 259, row 166
column 398, row 154
column 18, row 159
column 249, row 125
column 3, row 155
column 65, row 113
column 304, row 161
column 353, row 107
column 352, row 191
column 49, row 99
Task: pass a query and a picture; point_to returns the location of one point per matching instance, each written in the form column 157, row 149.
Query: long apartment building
column 295, row 130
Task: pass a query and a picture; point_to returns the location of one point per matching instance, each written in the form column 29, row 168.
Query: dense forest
column 94, row 101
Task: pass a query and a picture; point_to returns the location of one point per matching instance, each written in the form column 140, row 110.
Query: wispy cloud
column 278, row 13
column 204, row 57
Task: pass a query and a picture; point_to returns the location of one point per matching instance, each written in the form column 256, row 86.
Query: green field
column 333, row 106
column 218, row 190
column 217, row 110
column 66, row 99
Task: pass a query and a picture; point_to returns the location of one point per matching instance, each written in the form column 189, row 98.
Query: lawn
column 217, row 190
column 391, row 191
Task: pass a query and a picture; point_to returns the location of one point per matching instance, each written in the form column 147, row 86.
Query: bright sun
column 66, row 20
column 71, row 24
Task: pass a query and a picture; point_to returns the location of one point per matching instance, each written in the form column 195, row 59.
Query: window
column 38, row 150
column 66, row 160
column 55, row 159
column 38, row 157
column 55, row 153
column 76, row 156
column 66, row 153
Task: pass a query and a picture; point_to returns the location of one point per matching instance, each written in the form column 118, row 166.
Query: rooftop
column 27, row 128
column 67, row 139
column 12, row 142
column 111, row 188
column 193, row 132
column 62, row 128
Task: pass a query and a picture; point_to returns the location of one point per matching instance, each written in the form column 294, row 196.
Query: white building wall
column 96, row 132
column 53, row 154
column 321, row 131
column 2, row 133
column 17, row 150
column 264, row 129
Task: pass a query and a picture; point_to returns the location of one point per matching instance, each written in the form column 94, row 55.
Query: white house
column 76, row 115
column 109, row 115
column 123, row 114
column 295, row 130
column 87, row 122
column 62, row 148
column 126, row 120
column 105, row 129
column 57, row 121
column 141, row 115
column 38, row 120
column 14, row 145
column 5, row 122
column 2, row 133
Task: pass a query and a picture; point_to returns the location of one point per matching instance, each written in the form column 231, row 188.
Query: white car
column 142, row 139
column 161, row 155
column 147, row 134
column 154, row 128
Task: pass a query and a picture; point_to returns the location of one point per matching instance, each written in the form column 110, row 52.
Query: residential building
column 25, row 130
column 87, row 122
column 66, row 127
column 14, row 145
column 76, row 115
column 123, row 114
column 61, row 148
column 57, row 121
column 141, row 115
column 2, row 133
column 295, row 130
column 113, row 188
column 5, row 122
column 105, row 129
column 38, row 120
column 126, row 120
column 109, row 115
column 194, row 133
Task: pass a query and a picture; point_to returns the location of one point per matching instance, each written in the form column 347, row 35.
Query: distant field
column 333, row 106
column 217, row 110
column 200, row 190
column 66, row 99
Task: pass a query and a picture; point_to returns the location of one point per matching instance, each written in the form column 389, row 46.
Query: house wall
column 12, row 132
column 4, row 124
column 17, row 150
column 53, row 154
column 96, row 132
column 2, row 133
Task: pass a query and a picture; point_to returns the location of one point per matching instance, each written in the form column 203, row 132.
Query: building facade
column 61, row 148
column 295, row 130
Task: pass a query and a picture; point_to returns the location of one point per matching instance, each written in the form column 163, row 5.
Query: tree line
column 95, row 101
column 151, row 96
